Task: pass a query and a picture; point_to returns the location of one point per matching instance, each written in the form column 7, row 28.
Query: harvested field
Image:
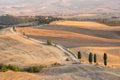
column 81, row 36
column 73, row 37
column 24, row 51
column 21, row 51
column 87, row 25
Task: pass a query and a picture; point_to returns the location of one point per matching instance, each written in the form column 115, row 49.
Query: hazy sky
column 33, row 7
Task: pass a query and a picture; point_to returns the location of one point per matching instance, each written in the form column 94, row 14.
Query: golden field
column 81, row 36
column 31, row 49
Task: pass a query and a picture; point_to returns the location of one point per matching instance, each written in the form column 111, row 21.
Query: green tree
column 90, row 58
column 95, row 58
column 105, row 59
column 79, row 55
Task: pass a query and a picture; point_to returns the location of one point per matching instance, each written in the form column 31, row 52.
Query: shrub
column 14, row 28
column 49, row 42
column 67, row 59
column 33, row 69
column 3, row 68
column 56, row 64
column 13, row 67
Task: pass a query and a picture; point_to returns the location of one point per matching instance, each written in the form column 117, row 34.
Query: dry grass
column 62, row 34
column 20, row 51
column 26, row 52
column 75, row 38
column 68, row 72
column 113, row 52
column 87, row 25
column 9, row 75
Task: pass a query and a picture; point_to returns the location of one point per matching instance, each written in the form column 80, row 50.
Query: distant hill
column 58, row 7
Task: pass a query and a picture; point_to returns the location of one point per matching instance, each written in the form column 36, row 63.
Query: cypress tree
column 105, row 59
column 79, row 55
column 95, row 58
column 90, row 58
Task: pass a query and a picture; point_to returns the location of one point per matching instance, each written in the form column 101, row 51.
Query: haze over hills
column 58, row 7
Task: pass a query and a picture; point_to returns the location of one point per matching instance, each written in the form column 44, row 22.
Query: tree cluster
column 46, row 19
column 93, row 58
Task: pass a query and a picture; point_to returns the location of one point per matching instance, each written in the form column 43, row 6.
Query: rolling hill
column 21, row 51
column 68, row 72
column 81, row 36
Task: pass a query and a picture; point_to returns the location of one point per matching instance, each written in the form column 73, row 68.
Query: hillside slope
column 75, row 35
column 18, row 50
column 68, row 72
column 81, row 36
column 86, row 25
column 112, row 53
column 23, row 51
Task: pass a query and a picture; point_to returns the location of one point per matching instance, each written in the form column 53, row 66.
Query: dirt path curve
column 68, row 53
column 58, row 46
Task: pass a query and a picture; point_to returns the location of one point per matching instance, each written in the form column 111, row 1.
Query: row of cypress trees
column 92, row 58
